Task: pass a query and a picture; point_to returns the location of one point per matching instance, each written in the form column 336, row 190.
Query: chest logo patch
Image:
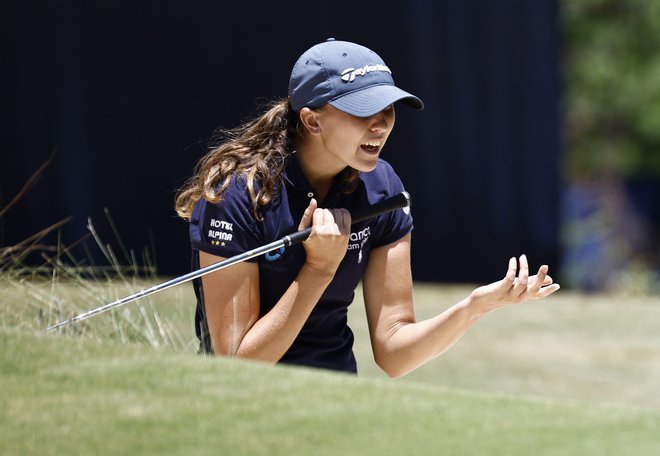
column 220, row 231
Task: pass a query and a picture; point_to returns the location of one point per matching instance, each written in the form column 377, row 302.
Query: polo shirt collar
column 295, row 177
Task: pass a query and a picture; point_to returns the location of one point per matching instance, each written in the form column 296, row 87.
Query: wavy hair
column 256, row 150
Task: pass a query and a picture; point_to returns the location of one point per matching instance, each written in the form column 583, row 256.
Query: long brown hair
column 256, row 150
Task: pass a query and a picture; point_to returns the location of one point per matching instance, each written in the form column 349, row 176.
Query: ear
column 309, row 120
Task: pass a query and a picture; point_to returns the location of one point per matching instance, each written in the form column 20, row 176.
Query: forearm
column 410, row 345
column 272, row 335
column 401, row 344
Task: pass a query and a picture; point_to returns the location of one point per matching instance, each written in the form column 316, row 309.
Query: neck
column 319, row 171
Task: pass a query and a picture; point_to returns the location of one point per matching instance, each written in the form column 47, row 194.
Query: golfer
column 310, row 160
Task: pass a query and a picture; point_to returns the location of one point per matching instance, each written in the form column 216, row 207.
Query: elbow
column 248, row 356
column 394, row 373
column 392, row 357
column 391, row 366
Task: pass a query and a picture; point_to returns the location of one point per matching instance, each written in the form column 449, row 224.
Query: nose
column 378, row 123
column 381, row 122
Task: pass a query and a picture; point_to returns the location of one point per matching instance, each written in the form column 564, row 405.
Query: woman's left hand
column 514, row 289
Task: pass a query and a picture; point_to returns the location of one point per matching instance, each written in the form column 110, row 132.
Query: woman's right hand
column 326, row 245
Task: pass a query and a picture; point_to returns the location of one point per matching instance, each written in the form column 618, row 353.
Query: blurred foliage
column 612, row 87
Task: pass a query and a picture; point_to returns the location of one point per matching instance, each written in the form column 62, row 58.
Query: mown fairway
column 572, row 346
column 571, row 375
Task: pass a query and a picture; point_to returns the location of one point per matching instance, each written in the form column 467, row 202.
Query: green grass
column 74, row 396
column 572, row 346
column 572, row 375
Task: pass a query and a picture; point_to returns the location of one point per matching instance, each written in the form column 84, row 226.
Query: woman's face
column 354, row 141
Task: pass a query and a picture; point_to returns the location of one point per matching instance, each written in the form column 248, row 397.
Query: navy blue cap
column 348, row 76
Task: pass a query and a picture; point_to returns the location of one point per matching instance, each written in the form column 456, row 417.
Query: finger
column 306, row 220
column 536, row 281
column 547, row 281
column 547, row 291
column 510, row 277
column 343, row 219
column 338, row 217
column 328, row 218
column 520, row 285
column 319, row 217
column 511, row 272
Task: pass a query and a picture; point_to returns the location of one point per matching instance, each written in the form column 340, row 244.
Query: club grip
column 396, row 202
column 390, row 204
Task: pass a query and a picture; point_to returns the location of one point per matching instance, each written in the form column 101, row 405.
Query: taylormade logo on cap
column 349, row 74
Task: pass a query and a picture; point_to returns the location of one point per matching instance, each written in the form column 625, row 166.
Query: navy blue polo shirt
column 229, row 228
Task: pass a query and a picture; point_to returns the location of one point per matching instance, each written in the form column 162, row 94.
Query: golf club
column 402, row 200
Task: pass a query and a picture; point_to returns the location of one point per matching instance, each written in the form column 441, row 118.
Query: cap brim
column 373, row 99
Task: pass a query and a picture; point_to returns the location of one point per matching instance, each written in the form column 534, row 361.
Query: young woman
column 307, row 161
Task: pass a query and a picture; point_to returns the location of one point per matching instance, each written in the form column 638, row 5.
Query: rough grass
column 571, row 375
column 164, row 323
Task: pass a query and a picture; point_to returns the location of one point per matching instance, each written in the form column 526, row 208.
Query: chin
column 366, row 167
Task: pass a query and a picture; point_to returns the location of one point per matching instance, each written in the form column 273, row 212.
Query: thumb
column 306, row 220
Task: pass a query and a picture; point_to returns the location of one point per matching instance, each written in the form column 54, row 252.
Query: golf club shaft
column 396, row 202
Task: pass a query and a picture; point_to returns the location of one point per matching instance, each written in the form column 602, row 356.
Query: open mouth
column 371, row 147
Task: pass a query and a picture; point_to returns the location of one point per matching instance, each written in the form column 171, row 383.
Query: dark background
column 129, row 93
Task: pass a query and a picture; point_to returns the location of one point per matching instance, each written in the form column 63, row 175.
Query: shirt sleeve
column 392, row 225
column 226, row 228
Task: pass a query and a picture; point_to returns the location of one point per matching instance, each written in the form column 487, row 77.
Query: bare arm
column 400, row 344
column 232, row 298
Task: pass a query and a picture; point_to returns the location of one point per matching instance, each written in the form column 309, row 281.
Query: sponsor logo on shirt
column 357, row 241
column 275, row 255
column 220, row 232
